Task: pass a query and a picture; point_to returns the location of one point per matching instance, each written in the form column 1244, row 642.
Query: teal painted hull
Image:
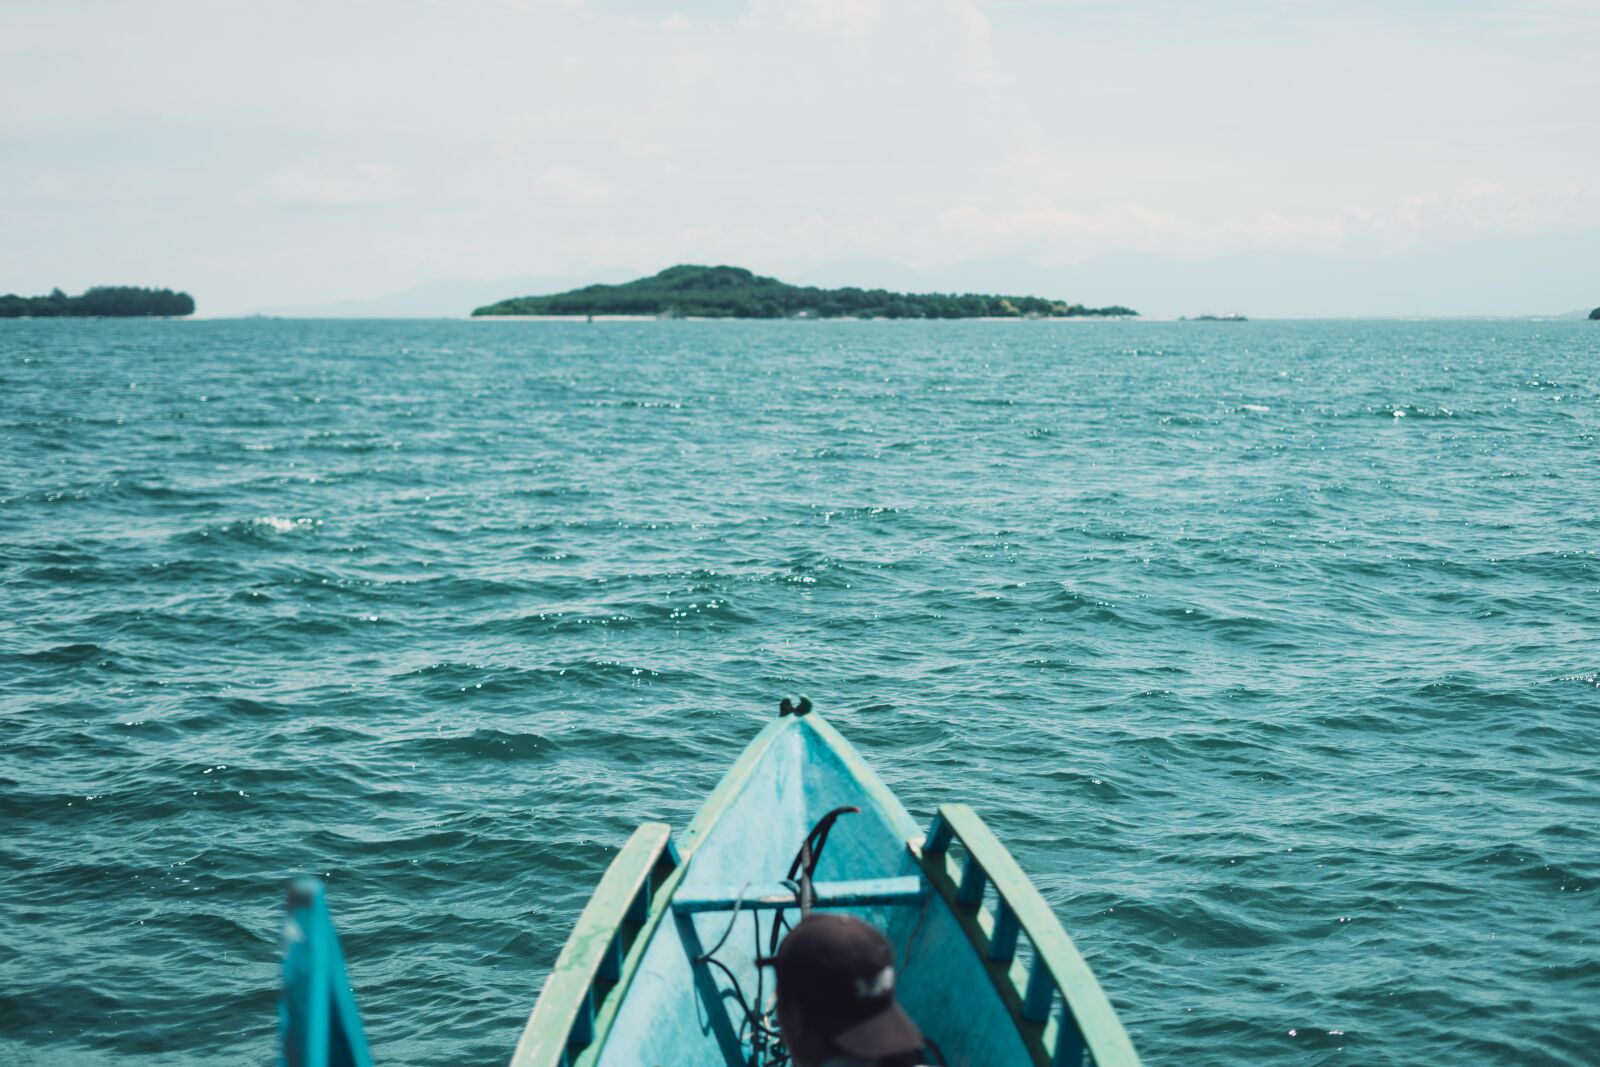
column 661, row 969
column 667, row 1009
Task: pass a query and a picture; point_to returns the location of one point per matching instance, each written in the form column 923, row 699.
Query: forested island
column 107, row 301
column 1595, row 314
column 736, row 293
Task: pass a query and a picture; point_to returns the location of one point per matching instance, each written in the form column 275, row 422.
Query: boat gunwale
column 1100, row 1029
column 571, row 988
column 716, row 803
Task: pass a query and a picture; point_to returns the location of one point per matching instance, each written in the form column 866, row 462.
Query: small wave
column 1525, row 863
column 1403, row 411
column 69, row 655
column 266, row 529
column 158, row 491
column 1063, row 600
column 455, row 682
column 1233, row 626
column 480, row 744
column 548, row 492
column 279, row 525
column 1193, row 924
column 53, row 574
column 1101, row 790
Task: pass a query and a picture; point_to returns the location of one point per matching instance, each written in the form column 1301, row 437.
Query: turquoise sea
column 1271, row 649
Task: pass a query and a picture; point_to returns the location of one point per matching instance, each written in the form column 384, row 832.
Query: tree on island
column 106, row 301
column 736, row 293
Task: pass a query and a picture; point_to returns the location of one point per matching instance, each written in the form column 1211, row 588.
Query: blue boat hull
column 661, row 966
column 798, row 770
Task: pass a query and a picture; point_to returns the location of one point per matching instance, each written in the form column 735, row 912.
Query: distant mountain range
column 736, row 293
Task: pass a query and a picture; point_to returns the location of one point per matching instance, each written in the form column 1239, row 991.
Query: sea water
column 1270, row 649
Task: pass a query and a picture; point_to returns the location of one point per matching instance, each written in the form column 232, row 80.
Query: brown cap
column 841, row 972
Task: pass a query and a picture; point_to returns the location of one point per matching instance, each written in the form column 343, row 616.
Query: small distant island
column 735, row 293
column 103, row 301
column 1232, row 316
column 1595, row 314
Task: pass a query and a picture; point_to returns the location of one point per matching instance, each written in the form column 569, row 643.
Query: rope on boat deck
column 766, row 1042
column 705, row 957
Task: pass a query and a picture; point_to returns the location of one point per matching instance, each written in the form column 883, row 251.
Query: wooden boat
column 661, row 966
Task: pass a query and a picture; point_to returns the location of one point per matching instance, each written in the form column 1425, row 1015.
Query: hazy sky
column 266, row 154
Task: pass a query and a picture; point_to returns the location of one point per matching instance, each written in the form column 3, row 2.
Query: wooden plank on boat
column 852, row 893
column 565, row 1012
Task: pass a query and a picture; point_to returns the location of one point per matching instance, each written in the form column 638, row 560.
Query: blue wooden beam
column 970, row 895
column 1041, row 992
column 1069, row 1043
column 939, row 835
column 1003, row 942
column 854, row 893
column 318, row 1023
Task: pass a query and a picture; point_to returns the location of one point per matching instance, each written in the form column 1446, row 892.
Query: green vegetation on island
column 109, row 301
column 736, row 293
column 1595, row 314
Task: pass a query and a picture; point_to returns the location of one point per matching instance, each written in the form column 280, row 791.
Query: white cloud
column 571, row 185
column 484, row 138
column 850, row 19
column 316, row 185
column 925, row 34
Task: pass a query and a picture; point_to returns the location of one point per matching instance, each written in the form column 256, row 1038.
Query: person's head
column 836, row 993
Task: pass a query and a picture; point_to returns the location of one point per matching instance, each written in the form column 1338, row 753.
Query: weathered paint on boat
column 984, row 965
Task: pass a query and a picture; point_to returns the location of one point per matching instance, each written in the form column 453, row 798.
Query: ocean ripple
column 1271, row 655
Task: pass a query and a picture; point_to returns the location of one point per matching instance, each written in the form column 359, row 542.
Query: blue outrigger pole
column 317, row 1020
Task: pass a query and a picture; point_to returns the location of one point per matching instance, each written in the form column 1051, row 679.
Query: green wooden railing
column 1087, row 1027
column 591, row 963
